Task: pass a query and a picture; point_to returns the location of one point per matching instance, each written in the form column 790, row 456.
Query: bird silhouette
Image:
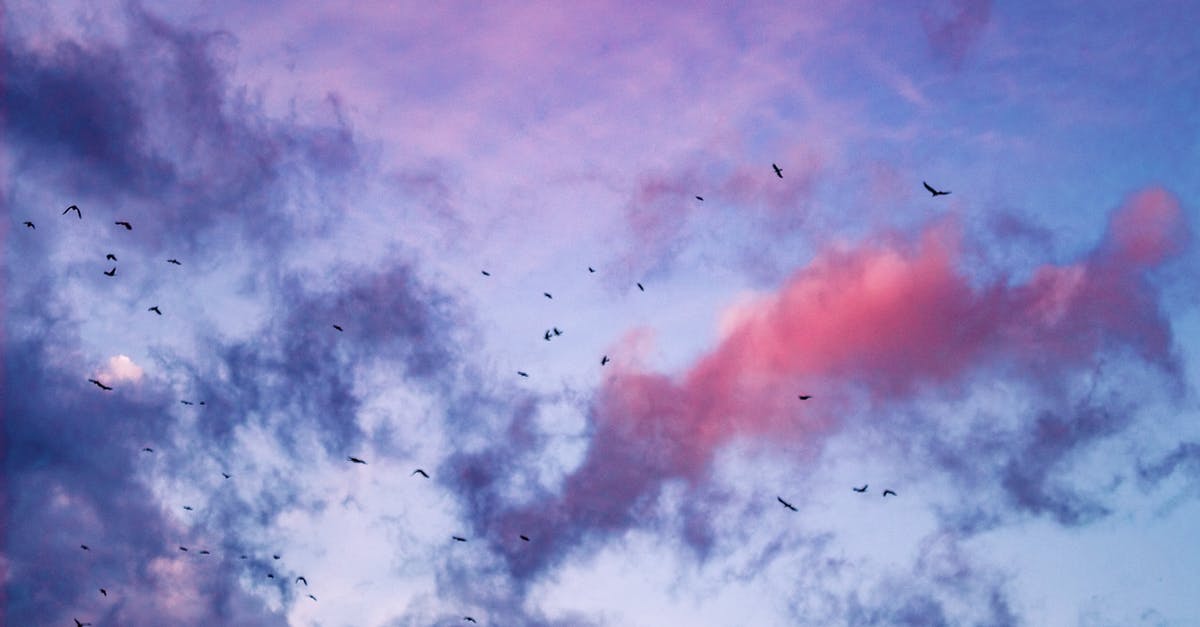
column 312, row 597
column 100, row 385
column 275, row 556
column 786, row 504
column 110, row 272
column 804, row 397
column 523, row 374
column 79, row 624
column 700, row 198
column 468, row 619
column 205, row 552
column 75, row 209
column 604, row 360
column 226, row 475
column 547, row 335
column 887, row 492
column 270, row 575
column 174, row 261
column 862, row 489
column 183, row 548
column 155, row 309
column 187, row 507
column 778, row 170
column 147, row 450
column 935, row 192
column 30, row 225
column 301, row 578
column 420, row 472
column 547, row 295
column 356, row 460
column 337, row 327
column 524, row 537
column 591, row 269
column 187, row 402
column 84, row 547
column 128, row 226
column 110, row 257
column 459, row 538
column 485, row 273
column 556, row 331
column 103, row 591
column 640, row 287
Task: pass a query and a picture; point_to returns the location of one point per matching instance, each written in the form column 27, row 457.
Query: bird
column 523, row 374
column 30, row 225
column 84, row 547
column 205, row 552
column 312, row 597
column 183, row 548
column 485, row 273
column 604, row 360
column 187, row 507
column 147, row 450
column 420, row 472
column 591, row 269
column 226, row 475
column 103, row 591
column 547, row 295
column 935, row 192
column 187, row 402
column 270, row 575
column 128, row 226
column 242, row 557
column 887, row 492
column 110, row 257
column 174, row 261
column 275, row 556
column 468, row 619
column 556, row 331
column 547, row 335
column 778, row 170
column 459, row 538
column 100, row 385
column 524, row 537
column 337, row 327
column 155, row 309
column 111, row 272
column 301, row 578
column 700, row 198
column 862, row 489
column 75, row 209
column 804, row 397
column 356, row 460
column 786, row 504
column 79, row 624
column 640, row 287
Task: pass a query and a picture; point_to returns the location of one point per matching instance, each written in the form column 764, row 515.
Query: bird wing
column 931, row 190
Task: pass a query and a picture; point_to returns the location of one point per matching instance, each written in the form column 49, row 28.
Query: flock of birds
column 549, row 335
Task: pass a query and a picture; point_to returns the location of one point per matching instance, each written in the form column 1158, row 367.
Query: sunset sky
column 1018, row 360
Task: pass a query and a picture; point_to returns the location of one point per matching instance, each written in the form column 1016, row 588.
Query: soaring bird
column 933, row 191
column 174, row 261
column 75, row 209
column 591, row 269
column 862, row 489
column 786, row 504
column 337, row 327
column 30, row 225
column 100, row 385
column 270, row 575
column 103, row 591
column 547, row 335
column 887, row 492
column 556, row 331
column 778, row 170
column 523, row 374
column 700, row 198
column 77, row 623
column 804, row 397
column 640, row 287
column 420, row 472
column 110, row 257
column 155, row 309
column 111, row 272
column 485, row 273
column 187, row 402
column 468, row 619
column 459, row 538
column 187, row 507
column 275, row 556
column 226, row 475
column 604, row 360
column 312, row 597
column 356, row 460
column 524, row 537
column 84, row 547
column 301, row 578
column 147, row 450
column 128, row 226
column 547, row 295
column 205, row 552
column 183, row 548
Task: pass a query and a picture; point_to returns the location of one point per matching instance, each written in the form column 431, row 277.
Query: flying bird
column 128, row 226
column 270, row 575
column 523, row 374
column 640, row 287
column 804, row 397
column 591, row 269
column 337, row 327
column 420, row 472
column 485, row 273
column 226, row 475
column 275, row 556
column 547, row 295
column 79, row 624
column 187, row 402
column 778, row 170
column 935, row 192
column 30, row 225
column 299, row 579
column 312, row 597
column 547, row 335
column 604, row 360
column 110, row 272
column 205, row 552
column 356, row 460
column 101, row 385
column 174, row 261
column 700, row 198
column 459, row 539
column 147, row 450
column 84, row 547
column 183, row 548
column 110, row 257
column 75, row 209
column 887, row 492
column 786, row 504
column 187, row 507
column 155, row 309
column 468, row 619
column 103, row 591
column 556, row 331
column 862, row 489
column 525, row 537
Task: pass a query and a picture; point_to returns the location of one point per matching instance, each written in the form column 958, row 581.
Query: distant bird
column 187, row 402
column 935, row 192
column 205, row 552
column 299, row 579
column 110, row 257
column 887, row 492
column 201, row 402
column 30, row 225
column 337, row 327
column 547, row 295
column 804, row 397
column 84, row 547
column 111, row 272
column 77, row 623
column 459, row 539
column 862, row 489
column 787, row 505
column 103, row 591
column 226, row 475
column 155, row 309
column 183, row 548
column 485, row 273
column 75, row 209
column 147, row 450
column 547, row 335
column 468, row 619
column 700, row 198
column 128, row 226
column 523, row 374
column 270, row 575
column 525, row 538
column 420, row 472
column 604, row 360
column 556, row 331
column 100, row 385
column 640, row 287
column 778, row 170
column 188, row 507
column 591, row 269
column 275, row 556
column 312, row 597
column 174, row 261
column 356, row 460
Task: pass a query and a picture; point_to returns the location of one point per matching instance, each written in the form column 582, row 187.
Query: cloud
column 122, row 368
column 951, row 37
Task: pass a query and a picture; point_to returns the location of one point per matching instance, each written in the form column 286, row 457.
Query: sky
column 446, row 182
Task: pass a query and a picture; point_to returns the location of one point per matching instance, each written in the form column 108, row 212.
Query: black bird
column 111, row 272
column 525, row 537
column 128, row 226
column 75, row 209
column 103, row 591
column 155, row 309
column 862, row 489
column 77, row 623
column 30, row 225
column 640, row 287
column 205, row 552
column 556, row 331
column 337, row 327
column 275, row 556
column 270, row 575
column 84, row 547
column 356, row 460
column 547, row 295
column 935, row 192
column 523, row 374
column 591, row 269
column 110, row 257
column 420, row 472
column 887, row 492
column 174, row 261
column 547, row 335
column 459, row 538
column 468, row 619
column 100, row 385
column 226, row 475
column 485, row 273
column 700, row 198
column 604, row 360
column 183, row 548
column 804, row 397
column 187, row 402
column 778, row 170
column 147, row 450
column 299, row 579
column 787, row 505
column 201, row 402
column 187, row 507
column 312, row 597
